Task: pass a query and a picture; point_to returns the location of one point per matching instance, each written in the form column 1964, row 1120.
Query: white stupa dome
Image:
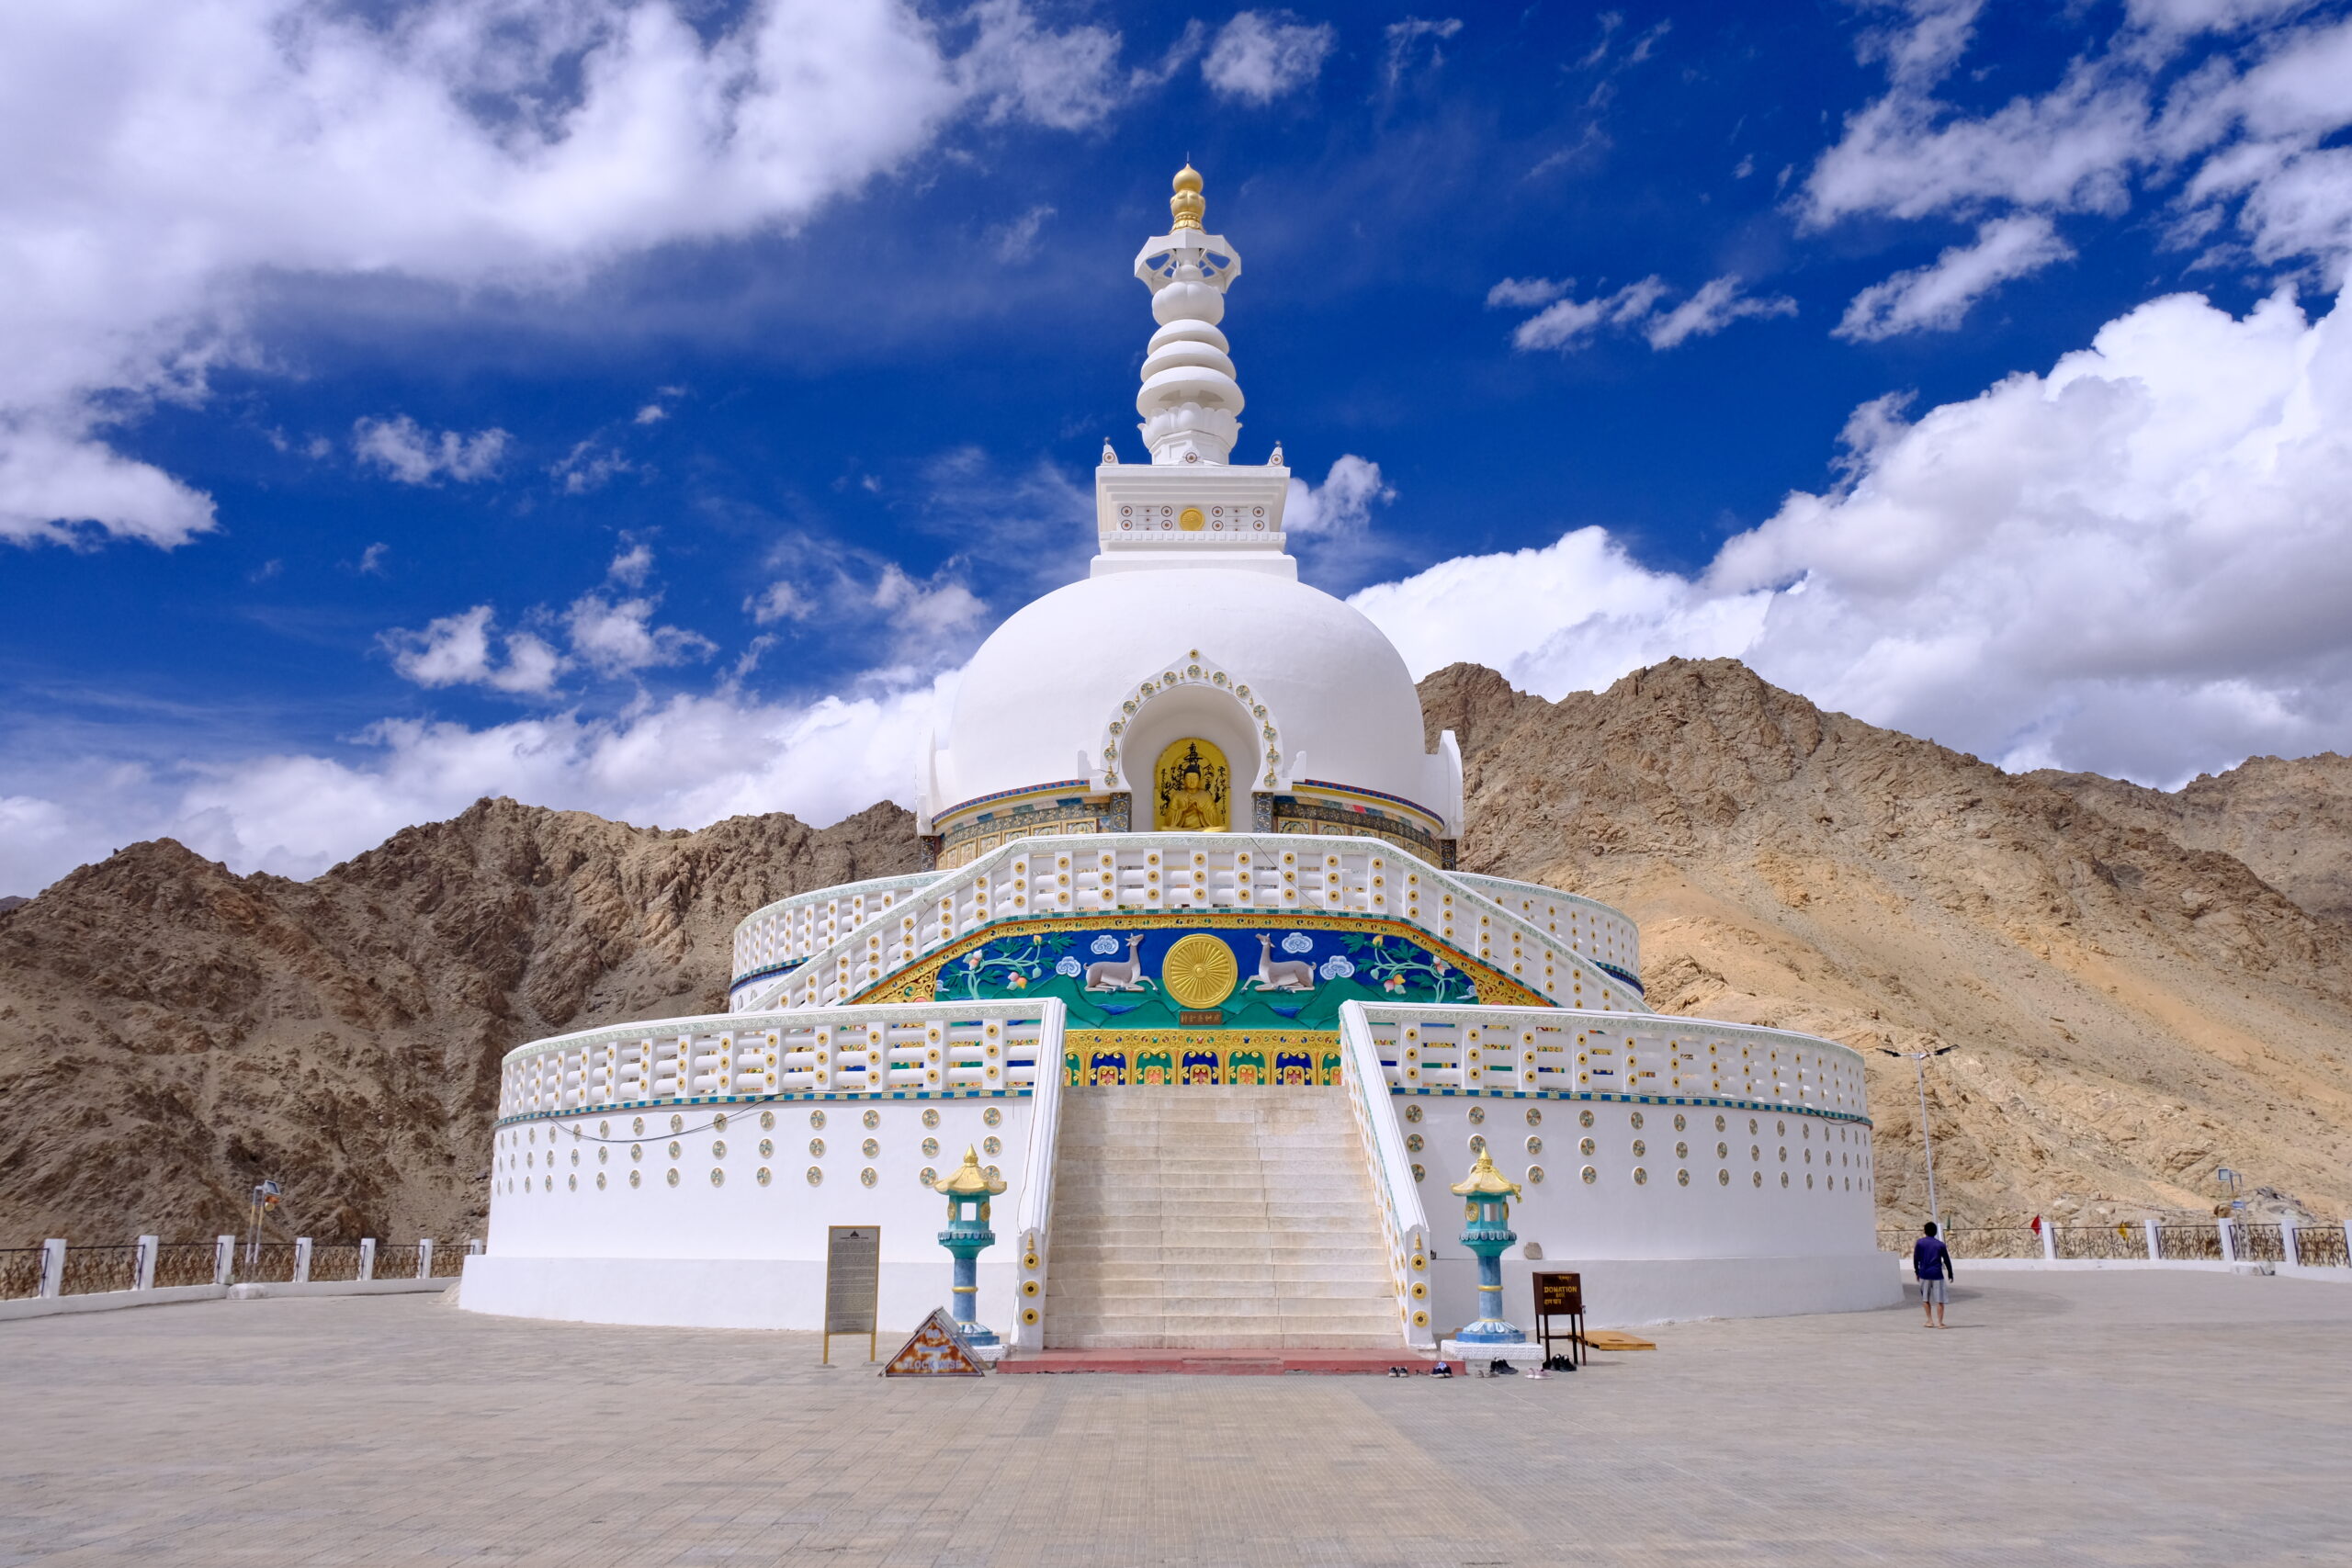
column 1037, row 700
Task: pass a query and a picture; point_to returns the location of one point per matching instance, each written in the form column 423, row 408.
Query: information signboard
column 1560, row 1295
column 852, row 1281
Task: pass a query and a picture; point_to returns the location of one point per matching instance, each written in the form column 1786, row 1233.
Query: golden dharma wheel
column 1200, row 971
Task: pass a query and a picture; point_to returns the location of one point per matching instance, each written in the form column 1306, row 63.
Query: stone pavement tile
column 2136, row 1419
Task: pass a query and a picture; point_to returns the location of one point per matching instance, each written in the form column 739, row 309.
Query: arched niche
column 1192, row 712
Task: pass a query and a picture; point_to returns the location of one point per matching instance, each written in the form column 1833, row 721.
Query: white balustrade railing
column 1404, row 1226
column 1590, row 927
column 1099, row 874
column 789, row 930
column 1508, row 1049
column 1034, row 1220
column 867, row 1050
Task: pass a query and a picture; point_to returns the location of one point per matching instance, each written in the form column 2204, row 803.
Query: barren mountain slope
column 2290, row 822
column 171, row 1032
column 2129, row 1012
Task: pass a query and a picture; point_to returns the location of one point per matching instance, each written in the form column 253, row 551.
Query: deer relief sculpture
column 1281, row 973
column 1127, row 976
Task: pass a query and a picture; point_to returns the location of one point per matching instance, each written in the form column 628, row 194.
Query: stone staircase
column 1215, row 1218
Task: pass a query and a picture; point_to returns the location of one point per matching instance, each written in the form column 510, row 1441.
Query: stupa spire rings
column 1189, row 401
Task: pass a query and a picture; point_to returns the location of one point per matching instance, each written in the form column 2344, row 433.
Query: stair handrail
column 1034, row 1217
column 1401, row 1216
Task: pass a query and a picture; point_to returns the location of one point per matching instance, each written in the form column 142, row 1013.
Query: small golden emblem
column 1200, row 971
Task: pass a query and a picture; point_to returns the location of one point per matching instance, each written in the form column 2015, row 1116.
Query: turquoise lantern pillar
column 968, row 1188
column 1487, row 1207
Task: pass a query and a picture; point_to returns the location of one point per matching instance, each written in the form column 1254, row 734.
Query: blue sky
column 648, row 407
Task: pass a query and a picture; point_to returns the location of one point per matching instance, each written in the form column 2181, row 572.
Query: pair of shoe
column 1400, row 1372
column 1441, row 1370
column 1559, row 1364
column 1502, row 1369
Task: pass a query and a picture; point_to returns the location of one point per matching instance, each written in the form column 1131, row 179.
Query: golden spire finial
column 969, row 1180
column 1485, row 1181
column 1186, row 204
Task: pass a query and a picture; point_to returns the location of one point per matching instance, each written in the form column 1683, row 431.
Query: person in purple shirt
column 1931, row 1266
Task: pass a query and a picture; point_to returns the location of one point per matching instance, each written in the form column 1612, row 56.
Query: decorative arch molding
column 1194, row 672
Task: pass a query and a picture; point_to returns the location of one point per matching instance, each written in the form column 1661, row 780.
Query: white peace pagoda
column 1194, row 978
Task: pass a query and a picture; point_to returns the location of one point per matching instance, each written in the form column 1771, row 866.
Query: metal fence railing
column 329, row 1264
column 2114, row 1244
column 2188, row 1243
column 448, row 1259
column 2322, row 1247
column 19, row 1272
column 182, row 1263
column 90, row 1270
column 1993, row 1241
column 269, row 1263
column 397, row 1262
column 2258, row 1244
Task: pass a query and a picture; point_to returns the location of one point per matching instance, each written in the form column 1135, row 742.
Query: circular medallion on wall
column 867, row 1176
column 1637, row 1121
column 1681, row 1151
column 1756, row 1177
column 1420, row 1173
column 1719, row 1124
column 1782, row 1128
column 604, row 1129
column 1586, row 1147
column 718, row 1177
column 638, row 1125
column 636, row 1178
column 1678, row 1122
column 1751, row 1126
column 719, row 1148
column 1784, row 1179
column 1640, row 1148
column 1722, row 1178
column 816, row 1148
column 815, row 1175
column 762, row 1176
column 1535, row 1175
column 674, row 1176
column 993, row 1173
column 603, row 1156
column 1199, row 970
column 637, row 1151
column 1591, row 1176
column 674, row 1148
column 1413, row 1143
column 574, row 1182
column 767, row 1120
column 1641, row 1177
column 677, row 1123
column 600, row 1181
column 1412, row 1113
column 992, row 1117
column 817, row 1120
column 1478, row 1143
column 1682, row 1178
column 767, row 1148
column 872, row 1148
column 1723, row 1151
column 1477, row 1114
column 1535, row 1117
column 991, row 1147
column 1535, row 1145
column 575, row 1157
column 1584, row 1118
column 718, row 1122
column 930, row 1116
column 931, row 1148
column 873, row 1119
column 926, row 1177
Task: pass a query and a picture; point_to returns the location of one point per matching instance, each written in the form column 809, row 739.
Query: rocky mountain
column 2132, row 1005
column 171, row 1032
column 2139, row 986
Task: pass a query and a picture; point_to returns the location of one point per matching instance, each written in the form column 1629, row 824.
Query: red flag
column 2037, row 1225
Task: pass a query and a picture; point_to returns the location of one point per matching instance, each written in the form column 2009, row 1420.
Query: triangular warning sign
column 937, row 1352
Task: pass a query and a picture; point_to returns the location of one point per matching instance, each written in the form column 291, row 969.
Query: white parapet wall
column 712, row 1209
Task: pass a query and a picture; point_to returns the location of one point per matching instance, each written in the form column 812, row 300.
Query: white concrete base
column 717, row 1292
column 1479, row 1360
column 115, row 1300
column 1629, row 1293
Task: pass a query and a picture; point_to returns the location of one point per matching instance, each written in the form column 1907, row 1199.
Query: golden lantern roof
column 969, row 1180
column 1186, row 206
column 1485, row 1181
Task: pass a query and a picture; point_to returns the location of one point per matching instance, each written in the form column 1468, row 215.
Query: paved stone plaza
column 2139, row 1417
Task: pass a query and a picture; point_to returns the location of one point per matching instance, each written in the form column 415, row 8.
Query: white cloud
column 1935, row 297
column 617, row 636
column 1524, row 292
column 589, row 465
column 1404, row 38
column 1924, row 43
column 2136, row 563
column 1717, row 305
column 2239, row 141
column 1340, row 507
column 371, row 559
column 414, row 456
column 455, row 650
column 1259, row 56
column 1016, row 241
column 169, row 158
column 632, row 566
column 782, row 599
column 652, row 413
column 1570, row 323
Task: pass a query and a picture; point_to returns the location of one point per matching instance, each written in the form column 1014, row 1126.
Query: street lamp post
column 1918, row 1059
